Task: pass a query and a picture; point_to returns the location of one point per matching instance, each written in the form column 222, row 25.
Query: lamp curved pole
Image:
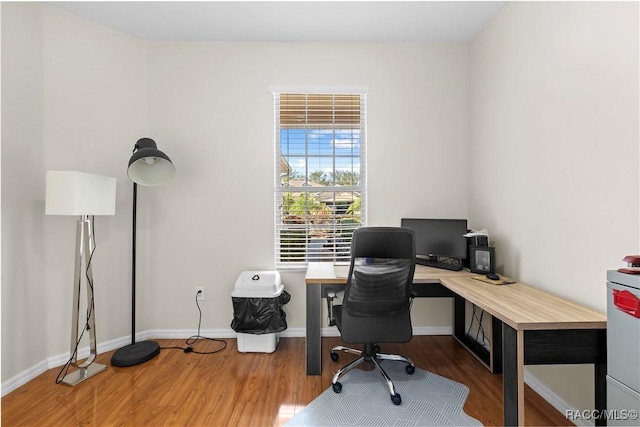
column 133, row 264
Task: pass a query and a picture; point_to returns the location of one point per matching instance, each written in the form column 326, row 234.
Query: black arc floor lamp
column 148, row 166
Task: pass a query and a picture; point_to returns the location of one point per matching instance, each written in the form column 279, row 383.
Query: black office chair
column 377, row 299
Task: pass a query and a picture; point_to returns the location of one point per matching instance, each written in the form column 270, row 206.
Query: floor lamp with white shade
column 83, row 195
column 148, row 166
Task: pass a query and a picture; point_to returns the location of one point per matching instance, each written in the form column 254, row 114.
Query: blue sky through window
column 311, row 150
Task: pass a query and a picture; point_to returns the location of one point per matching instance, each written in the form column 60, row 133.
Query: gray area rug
column 427, row 400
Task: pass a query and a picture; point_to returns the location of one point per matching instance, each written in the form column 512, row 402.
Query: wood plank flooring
column 239, row 389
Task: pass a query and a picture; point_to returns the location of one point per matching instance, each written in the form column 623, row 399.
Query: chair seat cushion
column 362, row 330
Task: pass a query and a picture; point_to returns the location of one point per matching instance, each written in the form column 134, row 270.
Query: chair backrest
column 381, row 272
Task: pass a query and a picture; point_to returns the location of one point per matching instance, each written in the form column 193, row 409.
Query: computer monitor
column 439, row 238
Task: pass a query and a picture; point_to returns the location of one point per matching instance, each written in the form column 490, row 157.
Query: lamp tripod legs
column 87, row 368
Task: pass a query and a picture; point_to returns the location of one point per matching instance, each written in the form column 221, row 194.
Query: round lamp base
column 135, row 354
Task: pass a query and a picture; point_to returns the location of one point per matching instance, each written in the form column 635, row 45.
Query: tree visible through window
column 320, row 191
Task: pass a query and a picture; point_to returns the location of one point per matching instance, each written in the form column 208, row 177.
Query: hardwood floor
column 238, row 389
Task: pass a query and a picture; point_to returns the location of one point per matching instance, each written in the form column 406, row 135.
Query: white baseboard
column 554, row 400
column 23, row 377
column 433, row 330
column 60, row 359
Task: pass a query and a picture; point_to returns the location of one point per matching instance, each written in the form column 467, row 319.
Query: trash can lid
column 262, row 284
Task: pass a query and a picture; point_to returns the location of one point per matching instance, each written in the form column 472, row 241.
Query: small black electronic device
column 493, row 276
column 439, row 264
column 482, row 259
column 477, row 240
column 439, row 238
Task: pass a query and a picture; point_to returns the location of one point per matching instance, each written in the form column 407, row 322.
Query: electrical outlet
column 200, row 293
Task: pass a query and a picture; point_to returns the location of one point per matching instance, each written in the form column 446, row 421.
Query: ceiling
column 292, row 21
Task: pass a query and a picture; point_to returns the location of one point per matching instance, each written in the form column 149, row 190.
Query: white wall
column 74, row 98
column 0, row 181
column 554, row 141
column 23, row 307
column 95, row 109
column 210, row 109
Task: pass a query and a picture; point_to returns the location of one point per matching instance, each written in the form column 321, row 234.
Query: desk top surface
column 520, row 306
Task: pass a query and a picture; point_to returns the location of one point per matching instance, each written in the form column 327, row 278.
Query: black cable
column 480, row 328
column 450, row 260
column 194, row 338
column 473, row 317
column 86, row 272
column 65, row 368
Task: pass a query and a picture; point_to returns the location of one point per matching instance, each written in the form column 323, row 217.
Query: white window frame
column 302, row 258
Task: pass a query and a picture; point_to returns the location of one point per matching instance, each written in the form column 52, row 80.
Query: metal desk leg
column 513, row 376
column 496, row 345
column 313, row 343
column 459, row 315
column 600, row 377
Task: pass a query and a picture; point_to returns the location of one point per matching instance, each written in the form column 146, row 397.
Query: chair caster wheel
column 334, row 356
column 337, row 387
column 410, row 369
column 396, row 399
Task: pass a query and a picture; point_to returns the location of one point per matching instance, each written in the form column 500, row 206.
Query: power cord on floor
column 195, row 338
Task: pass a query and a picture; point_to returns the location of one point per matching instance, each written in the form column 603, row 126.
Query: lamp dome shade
column 148, row 165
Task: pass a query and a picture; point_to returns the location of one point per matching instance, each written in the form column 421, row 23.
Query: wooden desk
column 530, row 327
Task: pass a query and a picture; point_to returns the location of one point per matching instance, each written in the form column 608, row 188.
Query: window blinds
column 320, row 175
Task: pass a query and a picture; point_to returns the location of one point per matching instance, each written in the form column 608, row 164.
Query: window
column 320, row 175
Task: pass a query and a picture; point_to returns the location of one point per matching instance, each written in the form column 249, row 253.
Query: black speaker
column 479, row 241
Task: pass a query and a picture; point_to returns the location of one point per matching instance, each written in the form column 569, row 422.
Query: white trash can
column 258, row 318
